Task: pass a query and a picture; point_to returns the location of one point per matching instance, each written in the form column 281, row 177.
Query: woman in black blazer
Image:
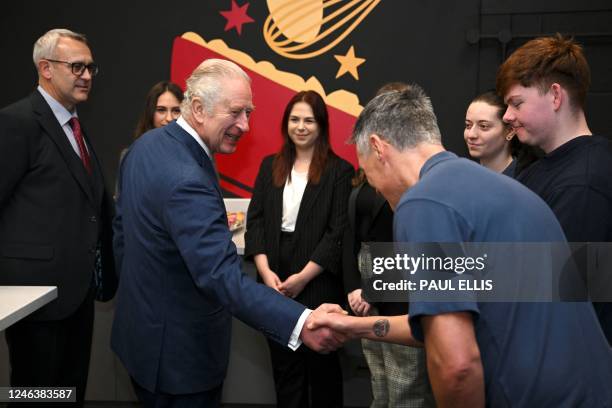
column 295, row 224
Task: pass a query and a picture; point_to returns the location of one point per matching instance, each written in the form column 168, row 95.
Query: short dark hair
column 145, row 122
column 544, row 61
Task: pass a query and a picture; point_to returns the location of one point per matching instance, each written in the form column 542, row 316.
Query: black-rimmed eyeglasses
column 79, row 67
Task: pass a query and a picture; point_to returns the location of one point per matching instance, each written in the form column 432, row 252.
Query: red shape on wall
column 239, row 170
column 236, row 17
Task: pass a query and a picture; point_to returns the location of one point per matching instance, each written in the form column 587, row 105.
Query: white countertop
column 234, row 205
column 16, row 302
column 238, row 239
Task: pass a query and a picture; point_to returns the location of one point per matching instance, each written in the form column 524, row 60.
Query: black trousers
column 52, row 353
column 304, row 378
column 207, row 399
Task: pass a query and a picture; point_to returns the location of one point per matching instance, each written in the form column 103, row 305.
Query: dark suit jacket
column 318, row 231
column 52, row 213
column 378, row 227
column 180, row 276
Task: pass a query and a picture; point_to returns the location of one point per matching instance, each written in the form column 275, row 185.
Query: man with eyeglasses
column 55, row 217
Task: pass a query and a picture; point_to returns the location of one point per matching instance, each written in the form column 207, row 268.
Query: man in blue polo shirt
column 498, row 354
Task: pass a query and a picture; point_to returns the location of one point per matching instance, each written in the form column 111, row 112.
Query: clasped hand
column 290, row 287
column 324, row 329
column 293, row 285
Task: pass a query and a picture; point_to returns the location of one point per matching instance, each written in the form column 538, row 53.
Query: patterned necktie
column 78, row 135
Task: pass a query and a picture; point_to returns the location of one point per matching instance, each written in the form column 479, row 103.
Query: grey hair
column 403, row 118
column 45, row 46
column 205, row 83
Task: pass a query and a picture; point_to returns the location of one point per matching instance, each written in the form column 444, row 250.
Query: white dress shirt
column 63, row 116
column 292, row 197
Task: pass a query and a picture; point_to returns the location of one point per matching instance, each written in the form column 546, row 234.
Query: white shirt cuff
column 294, row 340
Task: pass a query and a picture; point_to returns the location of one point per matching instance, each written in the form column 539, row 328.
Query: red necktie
column 78, row 135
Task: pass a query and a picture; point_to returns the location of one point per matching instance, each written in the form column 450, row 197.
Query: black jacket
column 318, row 231
column 376, row 227
column 52, row 213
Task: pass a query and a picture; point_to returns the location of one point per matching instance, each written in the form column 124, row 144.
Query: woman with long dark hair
column 295, row 223
column 162, row 106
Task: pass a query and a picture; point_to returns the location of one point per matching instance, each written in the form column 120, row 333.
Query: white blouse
column 292, row 197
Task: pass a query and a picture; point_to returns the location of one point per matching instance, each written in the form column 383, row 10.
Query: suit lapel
column 49, row 123
column 308, row 199
column 276, row 218
column 97, row 176
column 97, row 179
column 210, row 169
column 197, row 152
column 276, row 200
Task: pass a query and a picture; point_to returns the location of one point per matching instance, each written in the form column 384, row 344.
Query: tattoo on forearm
column 381, row 327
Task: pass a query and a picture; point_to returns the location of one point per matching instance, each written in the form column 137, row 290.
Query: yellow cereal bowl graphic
column 301, row 29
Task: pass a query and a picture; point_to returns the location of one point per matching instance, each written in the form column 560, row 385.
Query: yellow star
column 349, row 63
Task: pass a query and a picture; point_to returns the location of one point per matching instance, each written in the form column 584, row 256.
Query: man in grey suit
column 180, row 277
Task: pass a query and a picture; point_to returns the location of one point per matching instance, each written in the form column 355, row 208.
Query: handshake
column 327, row 328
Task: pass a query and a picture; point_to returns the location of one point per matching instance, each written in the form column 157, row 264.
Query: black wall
column 451, row 48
